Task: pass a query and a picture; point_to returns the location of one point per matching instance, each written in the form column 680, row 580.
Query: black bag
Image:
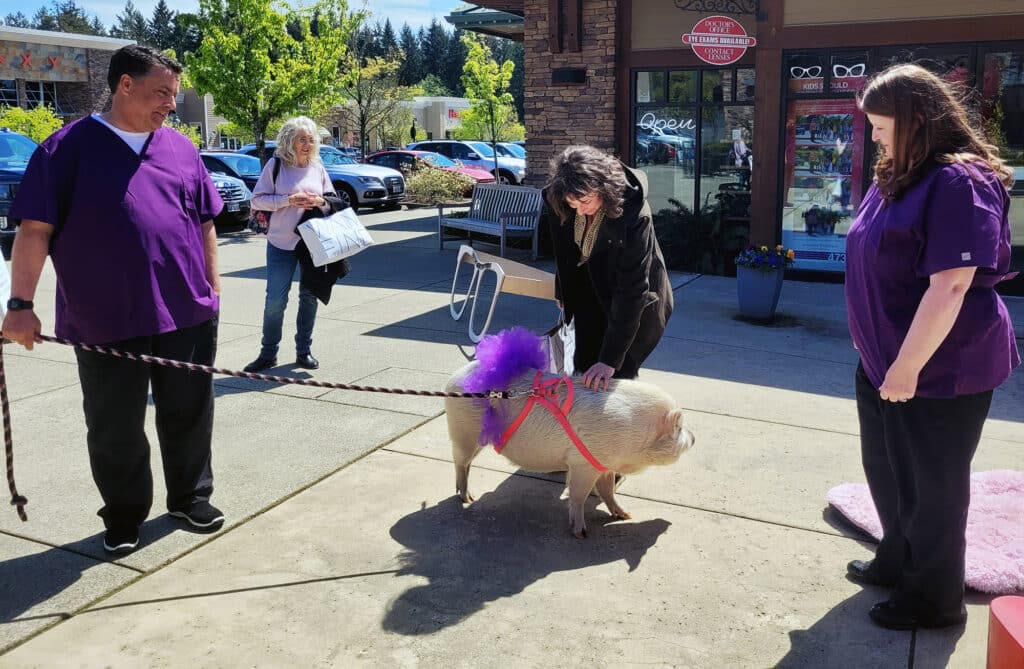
column 259, row 221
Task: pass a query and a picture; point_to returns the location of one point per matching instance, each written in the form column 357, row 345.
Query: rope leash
column 20, row 501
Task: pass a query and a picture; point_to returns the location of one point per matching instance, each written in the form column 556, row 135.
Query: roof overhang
column 9, row 34
column 507, row 23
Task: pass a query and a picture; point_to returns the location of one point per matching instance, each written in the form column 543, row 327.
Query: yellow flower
column 764, row 249
column 790, row 254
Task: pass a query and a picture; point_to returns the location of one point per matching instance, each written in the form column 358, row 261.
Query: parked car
column 408, row 162
column 511, row 150
column 238, row 165
column 477, row 154
column 15, row 151
column 365, row 185
column 237, row 201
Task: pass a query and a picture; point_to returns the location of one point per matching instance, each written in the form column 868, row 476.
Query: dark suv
column 15, row 151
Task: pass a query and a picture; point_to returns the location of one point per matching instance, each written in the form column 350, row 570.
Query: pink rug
column 995, row 527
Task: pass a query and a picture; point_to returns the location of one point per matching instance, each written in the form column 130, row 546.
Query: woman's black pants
column 917, row 458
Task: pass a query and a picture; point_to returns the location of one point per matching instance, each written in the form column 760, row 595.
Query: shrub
column 36, row 124
column 436, row 186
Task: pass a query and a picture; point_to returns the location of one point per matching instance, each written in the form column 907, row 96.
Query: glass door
column 693, row 137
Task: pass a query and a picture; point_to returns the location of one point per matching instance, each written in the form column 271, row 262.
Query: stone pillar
column 557, row 115
column 98, row 97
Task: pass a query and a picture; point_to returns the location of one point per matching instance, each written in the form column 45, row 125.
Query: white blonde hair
column 286, row 139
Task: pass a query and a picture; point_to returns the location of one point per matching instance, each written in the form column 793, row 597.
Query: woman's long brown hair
column 931, row 125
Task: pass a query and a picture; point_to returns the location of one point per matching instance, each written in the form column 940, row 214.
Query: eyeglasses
column 812, row 72
column 842, row 71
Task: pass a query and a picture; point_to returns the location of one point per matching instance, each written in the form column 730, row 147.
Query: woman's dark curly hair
column 930, row 126
column 579, row 171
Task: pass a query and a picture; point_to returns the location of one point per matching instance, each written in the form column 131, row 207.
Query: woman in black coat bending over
column 610, row 275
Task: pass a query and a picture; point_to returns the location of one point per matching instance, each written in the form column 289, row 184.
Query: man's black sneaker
column 202, row 516
column 121, row 540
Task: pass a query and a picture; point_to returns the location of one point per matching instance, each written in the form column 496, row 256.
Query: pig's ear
column 670, row 421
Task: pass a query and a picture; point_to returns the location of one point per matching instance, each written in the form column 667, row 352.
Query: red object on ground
column 1006, row 633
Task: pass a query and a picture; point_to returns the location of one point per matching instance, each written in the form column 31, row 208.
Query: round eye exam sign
column 719, row 40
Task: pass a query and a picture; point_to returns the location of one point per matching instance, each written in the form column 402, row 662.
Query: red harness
column 546, row 394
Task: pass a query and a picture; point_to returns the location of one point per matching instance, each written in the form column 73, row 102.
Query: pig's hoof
column 580, row 533
column 466, row 498
column 623, row 514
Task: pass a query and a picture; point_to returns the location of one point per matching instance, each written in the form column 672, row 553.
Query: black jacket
column 320, row 280
column 628, row 275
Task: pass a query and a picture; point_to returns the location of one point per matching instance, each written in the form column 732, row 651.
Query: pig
column 627, row 428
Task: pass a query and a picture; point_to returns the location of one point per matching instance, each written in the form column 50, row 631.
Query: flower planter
column 758, row 292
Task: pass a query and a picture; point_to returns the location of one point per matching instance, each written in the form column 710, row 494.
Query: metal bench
column 497, row 210
column 510, row 277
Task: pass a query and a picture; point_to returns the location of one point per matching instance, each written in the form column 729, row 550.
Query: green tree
column 434, row 47
column 66, row 17
column 37, row 124
column 453, row 64
column 161, row 29
column 131, row 24
column 374, row 91
column 256, row 71
column 187, row 130
column 486, row 85
column 412, row 62
column 433, row 86
column 17, row 20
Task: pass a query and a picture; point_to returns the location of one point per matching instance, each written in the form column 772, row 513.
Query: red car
column 406, row 162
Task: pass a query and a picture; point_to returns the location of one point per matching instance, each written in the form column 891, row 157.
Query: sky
column 416, row 13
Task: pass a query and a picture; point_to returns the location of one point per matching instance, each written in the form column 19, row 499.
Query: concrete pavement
column 345, row 547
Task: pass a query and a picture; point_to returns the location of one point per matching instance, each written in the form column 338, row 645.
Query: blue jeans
column 281, row 266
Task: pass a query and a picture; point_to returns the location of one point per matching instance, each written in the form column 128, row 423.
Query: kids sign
column 719, row 40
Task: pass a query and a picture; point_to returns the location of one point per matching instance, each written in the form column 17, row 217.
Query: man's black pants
column 115, row 394
column 917, row 458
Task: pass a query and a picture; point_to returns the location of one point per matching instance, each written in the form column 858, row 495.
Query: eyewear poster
column 824, row 171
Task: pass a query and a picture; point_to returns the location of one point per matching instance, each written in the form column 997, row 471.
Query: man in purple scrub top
column 124, row 208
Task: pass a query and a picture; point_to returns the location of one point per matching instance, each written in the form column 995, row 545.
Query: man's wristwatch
column 18, row 304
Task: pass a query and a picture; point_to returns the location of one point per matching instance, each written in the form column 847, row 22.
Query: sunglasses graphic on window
column 842, row 71
column 811, row 72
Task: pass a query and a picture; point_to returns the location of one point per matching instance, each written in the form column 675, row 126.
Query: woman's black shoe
column 895, row 617
column 863, row 571
column 259, row 364
column 307, row 361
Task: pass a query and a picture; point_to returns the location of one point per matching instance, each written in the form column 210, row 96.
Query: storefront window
column 745, row 85
column 41, row 93
column 682, row 86
column 1002, row 113
column 950, row 63
column 664, row 141
column 824, row 155
column 805, row 73
column 650, row 86
column 697, row 152
column 849, row 71
column 9, row 92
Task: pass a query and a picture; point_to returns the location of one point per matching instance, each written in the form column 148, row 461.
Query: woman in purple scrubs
column 930, row 242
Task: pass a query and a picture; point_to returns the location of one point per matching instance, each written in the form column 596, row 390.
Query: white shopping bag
column 334, row 237
column 562, row 347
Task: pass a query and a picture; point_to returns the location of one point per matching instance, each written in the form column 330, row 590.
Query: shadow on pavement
column 34, row 579
column 846, row 637
column 504, row 542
